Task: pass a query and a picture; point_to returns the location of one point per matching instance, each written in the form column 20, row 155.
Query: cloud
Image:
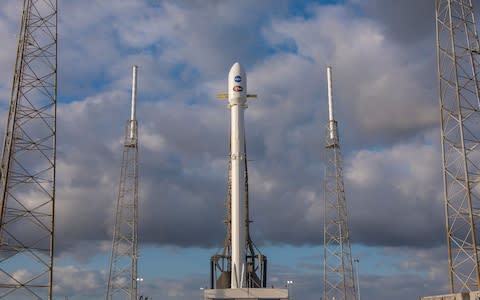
column 184, row 133
column 402, row 21
column 10, row 14
column 78, row 283
column 402, row 184
column 376, row 89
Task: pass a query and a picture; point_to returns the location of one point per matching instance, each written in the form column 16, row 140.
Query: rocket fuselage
column 237, row 98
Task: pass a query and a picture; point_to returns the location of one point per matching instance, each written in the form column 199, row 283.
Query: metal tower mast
column 458, row 66
column 122, row 280
column 338, row 277
column 27, row 185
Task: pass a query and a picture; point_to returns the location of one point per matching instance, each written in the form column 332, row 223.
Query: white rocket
column 237, row 98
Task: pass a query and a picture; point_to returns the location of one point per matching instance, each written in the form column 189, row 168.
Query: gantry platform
column 246, row 293
column 457, row 296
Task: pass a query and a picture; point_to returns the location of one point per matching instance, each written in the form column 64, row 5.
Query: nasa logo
column 237, row 88
column 238, row 78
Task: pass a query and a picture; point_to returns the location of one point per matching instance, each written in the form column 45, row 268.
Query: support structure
column 241, row 265
column 338, row 267
column 122, row 280
column 27, row 171
column 458, row 57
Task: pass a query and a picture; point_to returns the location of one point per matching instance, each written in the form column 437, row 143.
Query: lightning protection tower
column 458, row 59
column 122, row 279
column 27, row 185
column 338, row 277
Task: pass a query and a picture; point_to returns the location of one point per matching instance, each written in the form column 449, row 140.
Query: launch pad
column 246, row 293
column 457, row 296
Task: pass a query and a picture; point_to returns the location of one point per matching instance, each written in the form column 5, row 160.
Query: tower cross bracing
column 27, row 170
column 458, row 66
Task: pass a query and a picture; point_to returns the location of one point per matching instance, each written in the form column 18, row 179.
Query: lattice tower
column 27, row 170
column 122, row 280
column 338, row 271
column 458, row 67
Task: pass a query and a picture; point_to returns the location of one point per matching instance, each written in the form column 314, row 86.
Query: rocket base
column 256, row 271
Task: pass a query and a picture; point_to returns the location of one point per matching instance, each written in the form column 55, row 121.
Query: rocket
column 237, row 99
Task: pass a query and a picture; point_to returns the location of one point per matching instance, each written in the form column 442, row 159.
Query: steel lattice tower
column 458, row 66
column 338, row 271
column 122, row 280
column 28, row 159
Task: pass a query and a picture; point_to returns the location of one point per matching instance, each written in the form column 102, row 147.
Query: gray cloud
column 407, row 21
column 184, row 136
column 393, row 196
column 377, row 87
column 10, row 14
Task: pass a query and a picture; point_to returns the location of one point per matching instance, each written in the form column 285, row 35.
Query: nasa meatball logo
column 237, row 88
column 238, row 78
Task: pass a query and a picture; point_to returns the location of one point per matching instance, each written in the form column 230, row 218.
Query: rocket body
column 237, row 98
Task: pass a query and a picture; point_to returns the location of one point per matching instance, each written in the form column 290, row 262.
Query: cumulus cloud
column 185, row 143
column 78, row 283
column 402, row 21
column 375, row 89
column 10, row 14
column 402, row 184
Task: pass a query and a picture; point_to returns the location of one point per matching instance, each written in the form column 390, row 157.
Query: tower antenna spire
column 133, row 114
column 122, row 279
column 331, row 119
column 338, row 280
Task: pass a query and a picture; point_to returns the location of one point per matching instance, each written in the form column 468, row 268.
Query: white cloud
column 76, row 283
column 377, row 92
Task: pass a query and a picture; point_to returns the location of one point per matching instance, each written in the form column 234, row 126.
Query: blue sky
column 383, row 58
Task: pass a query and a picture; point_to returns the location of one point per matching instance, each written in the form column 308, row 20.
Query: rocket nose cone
column 237, row 83
column 236, row 68
column 235, row 71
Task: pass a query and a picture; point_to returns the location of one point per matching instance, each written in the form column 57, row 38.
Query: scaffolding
column 27, row 168
column 458, row 65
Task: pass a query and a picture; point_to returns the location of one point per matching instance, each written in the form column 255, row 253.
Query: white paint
column 331, row 120
column 134, row 101
column 237, row 98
